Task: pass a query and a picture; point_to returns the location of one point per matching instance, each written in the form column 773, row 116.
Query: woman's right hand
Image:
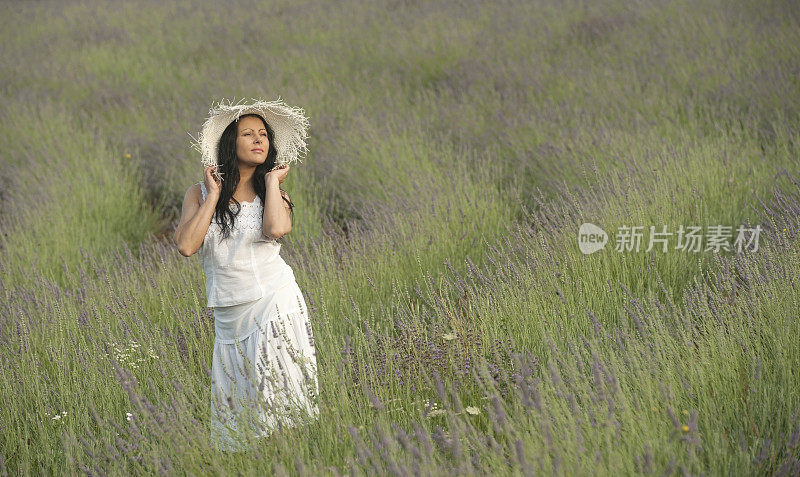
column 213, row 185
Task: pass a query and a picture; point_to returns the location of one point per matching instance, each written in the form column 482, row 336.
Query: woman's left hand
column 280, row 172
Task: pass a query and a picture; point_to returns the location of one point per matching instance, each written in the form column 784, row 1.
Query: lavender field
column 455, row 149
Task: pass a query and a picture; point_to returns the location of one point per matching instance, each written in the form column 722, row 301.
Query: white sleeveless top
column 246, row 265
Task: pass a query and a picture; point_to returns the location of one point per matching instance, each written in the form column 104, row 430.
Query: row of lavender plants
column 459, row 328
column 697, row 385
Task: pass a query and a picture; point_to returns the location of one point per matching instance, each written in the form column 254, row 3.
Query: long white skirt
column 264, row 369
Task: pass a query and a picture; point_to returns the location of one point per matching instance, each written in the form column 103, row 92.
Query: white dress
column 264, row 368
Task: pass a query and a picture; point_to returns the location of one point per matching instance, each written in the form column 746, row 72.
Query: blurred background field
column 455, row 149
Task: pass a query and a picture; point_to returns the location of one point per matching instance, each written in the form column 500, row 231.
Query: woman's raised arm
column 196, row 216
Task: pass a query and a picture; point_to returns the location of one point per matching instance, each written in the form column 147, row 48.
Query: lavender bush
column 456, row 147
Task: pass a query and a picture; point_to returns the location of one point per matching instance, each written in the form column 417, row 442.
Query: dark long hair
column 228, row 164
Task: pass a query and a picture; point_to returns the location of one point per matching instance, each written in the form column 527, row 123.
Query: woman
column 264, row 361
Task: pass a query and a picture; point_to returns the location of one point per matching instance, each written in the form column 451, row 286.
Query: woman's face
column 252, row 143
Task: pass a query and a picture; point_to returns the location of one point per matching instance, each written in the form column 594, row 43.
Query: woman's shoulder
column 194, row 193
column 201, row 187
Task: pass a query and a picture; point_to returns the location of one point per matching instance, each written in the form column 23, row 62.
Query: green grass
column 455, row 149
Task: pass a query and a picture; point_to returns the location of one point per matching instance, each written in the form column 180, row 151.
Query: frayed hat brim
column 289, row 124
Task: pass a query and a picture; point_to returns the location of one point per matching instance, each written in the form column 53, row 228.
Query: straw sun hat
column 289, row 124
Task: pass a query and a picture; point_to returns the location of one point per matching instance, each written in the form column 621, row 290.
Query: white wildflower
column 431, row 404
